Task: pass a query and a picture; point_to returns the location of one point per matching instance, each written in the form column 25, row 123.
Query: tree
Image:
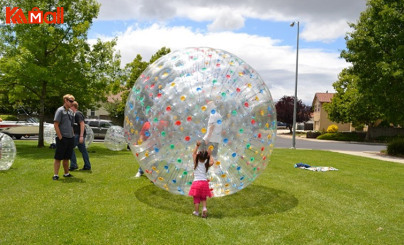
column 132, row 70
column 348, row 105
column 375, row 82
column 39, row 63
column 284, row 111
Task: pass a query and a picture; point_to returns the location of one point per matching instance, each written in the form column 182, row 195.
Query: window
column 105, row 124
column 93, row 123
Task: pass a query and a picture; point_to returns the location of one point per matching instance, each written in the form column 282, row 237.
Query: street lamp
column 295, row 102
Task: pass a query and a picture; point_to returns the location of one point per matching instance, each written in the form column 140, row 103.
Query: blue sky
column 257, row 31
column 279, row 30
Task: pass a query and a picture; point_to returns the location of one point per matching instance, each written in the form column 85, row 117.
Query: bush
column 313, row 135
column 388, row 139
column 396, row 147
column 332, row 128
column 343, row 136
column 8, row 118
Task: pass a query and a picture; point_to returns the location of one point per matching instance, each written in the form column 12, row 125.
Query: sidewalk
column 369, row 154
column 374, row 155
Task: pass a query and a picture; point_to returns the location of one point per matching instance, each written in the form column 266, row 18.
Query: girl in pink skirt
column 200, row 186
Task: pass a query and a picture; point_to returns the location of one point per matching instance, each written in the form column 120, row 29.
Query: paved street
column 285, row 141
column 353, row 148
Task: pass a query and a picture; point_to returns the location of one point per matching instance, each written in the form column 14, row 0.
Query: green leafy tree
column 374, row 84
column 348, row 105
column 132, row 72
column 39, row 63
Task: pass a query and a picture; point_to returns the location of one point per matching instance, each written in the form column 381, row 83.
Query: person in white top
column 213, row 134
column 200, row 186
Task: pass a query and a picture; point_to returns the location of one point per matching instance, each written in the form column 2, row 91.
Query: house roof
column 323, row 97
column 115, row 97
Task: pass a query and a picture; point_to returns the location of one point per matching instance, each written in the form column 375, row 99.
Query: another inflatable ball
column 7, row 151
column 115, row 139
column 173, row 101
column 89, row 135
column 50, row 135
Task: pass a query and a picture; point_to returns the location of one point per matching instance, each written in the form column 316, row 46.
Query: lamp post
column 297, row 66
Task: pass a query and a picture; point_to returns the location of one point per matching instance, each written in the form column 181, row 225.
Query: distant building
column 100, row 112
column 320, row 116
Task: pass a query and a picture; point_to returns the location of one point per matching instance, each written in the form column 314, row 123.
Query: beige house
column 100, row 112
column 320, row 116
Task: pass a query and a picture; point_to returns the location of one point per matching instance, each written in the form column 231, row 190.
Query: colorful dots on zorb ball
column 195, row 94
column 115, row 139
column 7, row 151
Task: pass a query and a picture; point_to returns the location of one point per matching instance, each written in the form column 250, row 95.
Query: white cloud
column 227, row 20
column 324, row 20
column 325, row 31
column 275, row 63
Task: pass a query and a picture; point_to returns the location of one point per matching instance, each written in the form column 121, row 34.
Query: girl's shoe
column 204, row 213
column 195, row 213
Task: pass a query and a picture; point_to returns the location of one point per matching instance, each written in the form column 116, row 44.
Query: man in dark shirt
column 79, row 139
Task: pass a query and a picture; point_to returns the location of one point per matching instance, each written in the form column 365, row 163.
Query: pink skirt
column 200, row 188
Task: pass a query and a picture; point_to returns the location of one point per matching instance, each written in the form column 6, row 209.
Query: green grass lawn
column 362, row 203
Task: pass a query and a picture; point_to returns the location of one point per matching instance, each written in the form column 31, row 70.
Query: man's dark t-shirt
column 78, row 118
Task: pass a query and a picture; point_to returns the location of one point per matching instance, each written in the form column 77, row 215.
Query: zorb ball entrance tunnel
column 171, row 104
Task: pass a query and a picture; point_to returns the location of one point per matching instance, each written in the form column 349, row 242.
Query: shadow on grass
column 254, row 200
column 71, row 180
column 31, row 151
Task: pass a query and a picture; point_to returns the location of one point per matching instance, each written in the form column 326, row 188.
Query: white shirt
column 216, row 136
column 200, row 171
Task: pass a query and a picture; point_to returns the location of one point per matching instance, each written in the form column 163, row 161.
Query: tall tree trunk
column 42, row 115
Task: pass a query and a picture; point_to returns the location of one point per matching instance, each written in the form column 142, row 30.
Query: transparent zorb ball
column 115, row 139
column 175, row 102
column 89, row 135
column 7, row 151
column 49, row 134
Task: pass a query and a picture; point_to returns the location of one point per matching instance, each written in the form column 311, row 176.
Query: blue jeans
column 84, row 153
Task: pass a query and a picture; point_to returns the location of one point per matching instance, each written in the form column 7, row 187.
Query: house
column 101, row 112
column 320, row 116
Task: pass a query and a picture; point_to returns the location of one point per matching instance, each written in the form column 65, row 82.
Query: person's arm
column 81, row 139
column 142, row 137
column 195, row 150
column 210, row 131
column 57, row 129
column 211, row 160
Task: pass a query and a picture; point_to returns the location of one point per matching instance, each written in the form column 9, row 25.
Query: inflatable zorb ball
column 89, row 135
column 7, row 151
column 50, row 135
column 173, row 101
column 115, row 139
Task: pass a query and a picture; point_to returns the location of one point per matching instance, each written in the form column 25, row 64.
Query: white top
column 216, row 136
column 200, row 171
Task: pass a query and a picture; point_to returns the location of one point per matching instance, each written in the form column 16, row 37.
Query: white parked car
column 18, row 129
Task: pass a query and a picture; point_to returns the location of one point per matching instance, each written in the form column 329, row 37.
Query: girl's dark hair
column 202, row 156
